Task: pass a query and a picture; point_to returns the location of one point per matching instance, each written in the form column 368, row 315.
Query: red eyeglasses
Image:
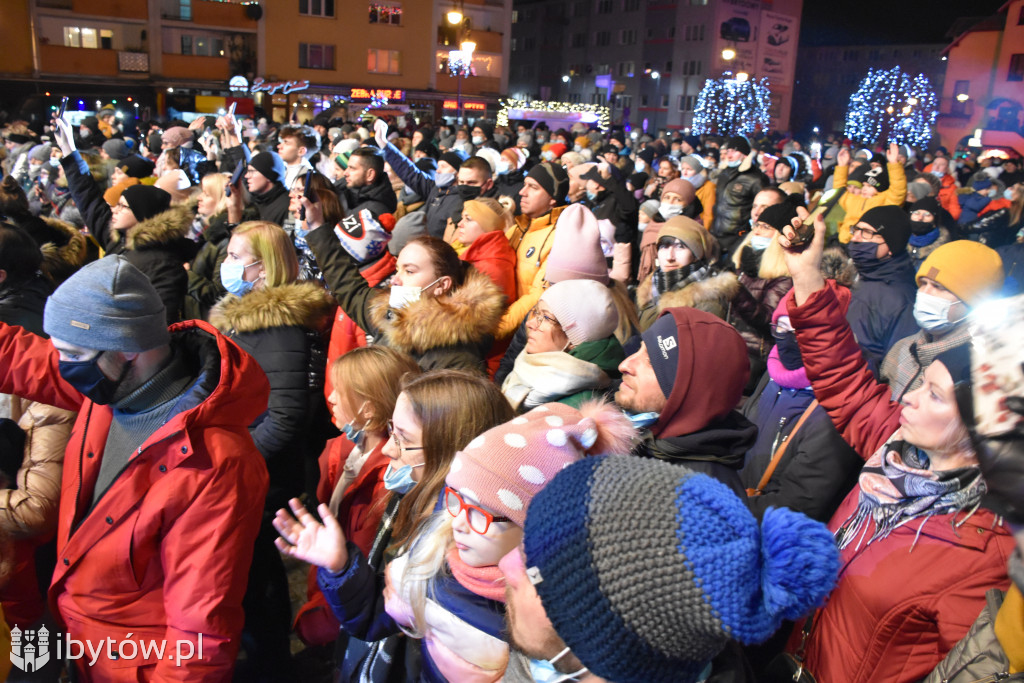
column 479, row 519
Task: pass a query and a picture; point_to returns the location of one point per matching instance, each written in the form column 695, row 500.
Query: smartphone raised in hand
column 236, row 175
column 63, row 107
column 308, row 193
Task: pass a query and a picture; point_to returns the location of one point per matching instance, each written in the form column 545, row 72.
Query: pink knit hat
column 576, row 252
column 506, row 466
column 584, row 309
column 177, row 136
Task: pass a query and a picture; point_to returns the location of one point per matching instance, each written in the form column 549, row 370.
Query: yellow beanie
column 969, row 269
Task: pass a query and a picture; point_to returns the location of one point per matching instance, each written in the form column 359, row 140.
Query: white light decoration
column 891, row 106
column 728, row 106
column 586, row 113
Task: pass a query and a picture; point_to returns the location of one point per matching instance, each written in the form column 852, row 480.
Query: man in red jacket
column 162, row 487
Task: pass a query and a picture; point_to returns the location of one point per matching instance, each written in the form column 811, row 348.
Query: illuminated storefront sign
column 284, row 87
column 470, row 106
column 379, row 94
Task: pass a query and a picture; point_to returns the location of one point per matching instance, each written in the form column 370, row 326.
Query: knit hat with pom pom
column 505, row 467
column 646, row 569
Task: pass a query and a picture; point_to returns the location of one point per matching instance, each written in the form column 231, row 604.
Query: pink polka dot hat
column 505, row 467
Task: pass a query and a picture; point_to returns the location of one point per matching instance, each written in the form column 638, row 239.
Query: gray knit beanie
column 108, row 305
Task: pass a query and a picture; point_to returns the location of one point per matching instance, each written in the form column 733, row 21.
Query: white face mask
column 403, row 295
column 669, row 210
column 543, row 670
column 932, row 313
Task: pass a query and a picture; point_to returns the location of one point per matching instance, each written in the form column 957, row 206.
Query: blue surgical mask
column 591, row 195
column 734, row 164
column 503, row 167
column 932, row 313
column 938, row 174
column 479, row 140
column 543, row 670
column 444, row 179
column 232, row 277
column 547, row 155
column 642, row 420
column 758, row 243
column 577, row 148
column 353, row 433
column 1008, row 194
column 55, row 162
column 400, row 480
column 697, row 180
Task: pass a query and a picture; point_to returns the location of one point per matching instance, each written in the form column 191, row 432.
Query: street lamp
column 565, row 79
column 657, row 98
column 742, row 76
column 963, row 97
column 728, row 54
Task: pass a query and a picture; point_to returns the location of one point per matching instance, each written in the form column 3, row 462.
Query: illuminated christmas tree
column 727, row 106
column 890, row 106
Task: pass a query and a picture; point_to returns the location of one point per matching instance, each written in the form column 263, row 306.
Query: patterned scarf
column 662, row 281
column 896, row 487
column 487, row 582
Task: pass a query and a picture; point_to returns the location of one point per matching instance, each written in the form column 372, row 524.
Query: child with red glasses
column 447, row 588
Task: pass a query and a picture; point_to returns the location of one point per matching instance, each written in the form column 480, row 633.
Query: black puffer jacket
column 272, row 205
column 377, row 198
column 509, row 184
column 22, row 303
column 736, row 188
column 157, row 246
column 818, row 468
column 281, row 328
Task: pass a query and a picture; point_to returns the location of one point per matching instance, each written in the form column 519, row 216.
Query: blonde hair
column 453, row 408
column 372, row 375
column 773, row 259
column 629, row 321
column 271, row 245
column 425, row 565
column 213, row 184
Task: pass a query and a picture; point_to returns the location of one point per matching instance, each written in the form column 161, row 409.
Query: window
column 313, row 56
column 603, row 69
column 529, row 43
column 185, row 10
column 664, row 102
column 514, row 44
column 672, row 31
column 579, row 40
column 650, row 33
column 318, row 8
column 627, row 36
column 1020, row 17
column 698, row 2
column 1016, row 68
column 630, row 5
column 186, row 45
column 389, row 13
column 602, row 38
column 75, row 36
column 579, row 9
column 604, row 6
column 668, row 66
column 626, row 69
column 625, row 101
column 643, row 100
column 383, row 61
column 515, row 16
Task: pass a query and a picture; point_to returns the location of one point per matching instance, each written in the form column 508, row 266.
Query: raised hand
column 309, row 540
column 380, row 133
column 64, row 137
column 843, row 157
column 893, row 153
column 804, row 264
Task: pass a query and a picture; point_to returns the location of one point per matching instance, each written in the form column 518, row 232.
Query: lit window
column 383, row 61
column 386, row 13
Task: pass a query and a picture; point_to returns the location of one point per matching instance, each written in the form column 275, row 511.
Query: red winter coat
column 165, row 554
column 345, row 334
column 359, row 514
column 900, row 604
column 492, row 254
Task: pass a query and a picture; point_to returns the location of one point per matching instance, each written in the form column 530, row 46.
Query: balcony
column 486, row 41
column 474, row 85
column 57, row 59
column 195, row 68
column 124, row 9
column 133, row 62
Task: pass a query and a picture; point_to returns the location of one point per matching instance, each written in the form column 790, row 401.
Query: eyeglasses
column 393, row 433
column 479, row 519
column 866, row 233
column 120, row 207
column 536, row 313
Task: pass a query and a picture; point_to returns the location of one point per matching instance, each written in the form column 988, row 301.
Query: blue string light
column 727, row 106
column 890, row 106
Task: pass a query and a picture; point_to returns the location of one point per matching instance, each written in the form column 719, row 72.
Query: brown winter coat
column 712, row 295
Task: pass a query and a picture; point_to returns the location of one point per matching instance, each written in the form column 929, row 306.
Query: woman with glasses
column 435, row 415
column 685, row 273
column 571, row 352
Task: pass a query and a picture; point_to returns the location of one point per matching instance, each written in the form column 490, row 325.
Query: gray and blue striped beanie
column 646, row 569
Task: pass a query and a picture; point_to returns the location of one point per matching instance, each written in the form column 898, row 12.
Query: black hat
column 270, row 166
column 452, row 159
column 738, row 143
column 779, row 215
column 608, row 149
column 877, row 178
column 553, row 179
column 595, row 175
column 929, row 204
column 892, row 223
column 136, row 167
column 648, row 154
column 428, row 148
column 146, row 201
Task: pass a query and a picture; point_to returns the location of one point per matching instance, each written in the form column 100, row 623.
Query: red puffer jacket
column 904, row 600
column 165, row 553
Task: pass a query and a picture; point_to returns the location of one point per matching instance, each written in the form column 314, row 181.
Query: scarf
column 487, row 582
column 925, row 239
column 672, row 280
column 789, row 379
column 539, row 378
column 896, row 487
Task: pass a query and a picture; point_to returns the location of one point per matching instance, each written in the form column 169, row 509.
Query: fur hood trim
column 836, row 265
column 299, row 304
column 712, row 295
column 60, row 261
column 469, row 315
column 162, row 228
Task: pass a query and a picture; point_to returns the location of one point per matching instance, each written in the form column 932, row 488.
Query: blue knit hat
column 646, row 569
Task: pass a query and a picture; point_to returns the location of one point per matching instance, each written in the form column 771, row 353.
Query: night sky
column 865, row 22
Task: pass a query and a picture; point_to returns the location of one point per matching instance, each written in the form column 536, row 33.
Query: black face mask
column 921, row 227
column 468, row 192
column 87, row 378
column 789, row 351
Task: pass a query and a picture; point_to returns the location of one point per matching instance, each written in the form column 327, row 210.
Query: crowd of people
column 460, row 371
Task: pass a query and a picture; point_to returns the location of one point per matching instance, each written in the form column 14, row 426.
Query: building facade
column 827, row 76
column 982, row 101
column 649, row 59
column 292, row 58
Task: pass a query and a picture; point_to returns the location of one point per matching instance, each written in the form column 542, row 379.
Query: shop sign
column 469, row 106
column 238, row 84
column 284, row 87
column 388, row 94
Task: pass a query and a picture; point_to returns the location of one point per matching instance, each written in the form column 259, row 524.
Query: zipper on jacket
column 778, row 435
